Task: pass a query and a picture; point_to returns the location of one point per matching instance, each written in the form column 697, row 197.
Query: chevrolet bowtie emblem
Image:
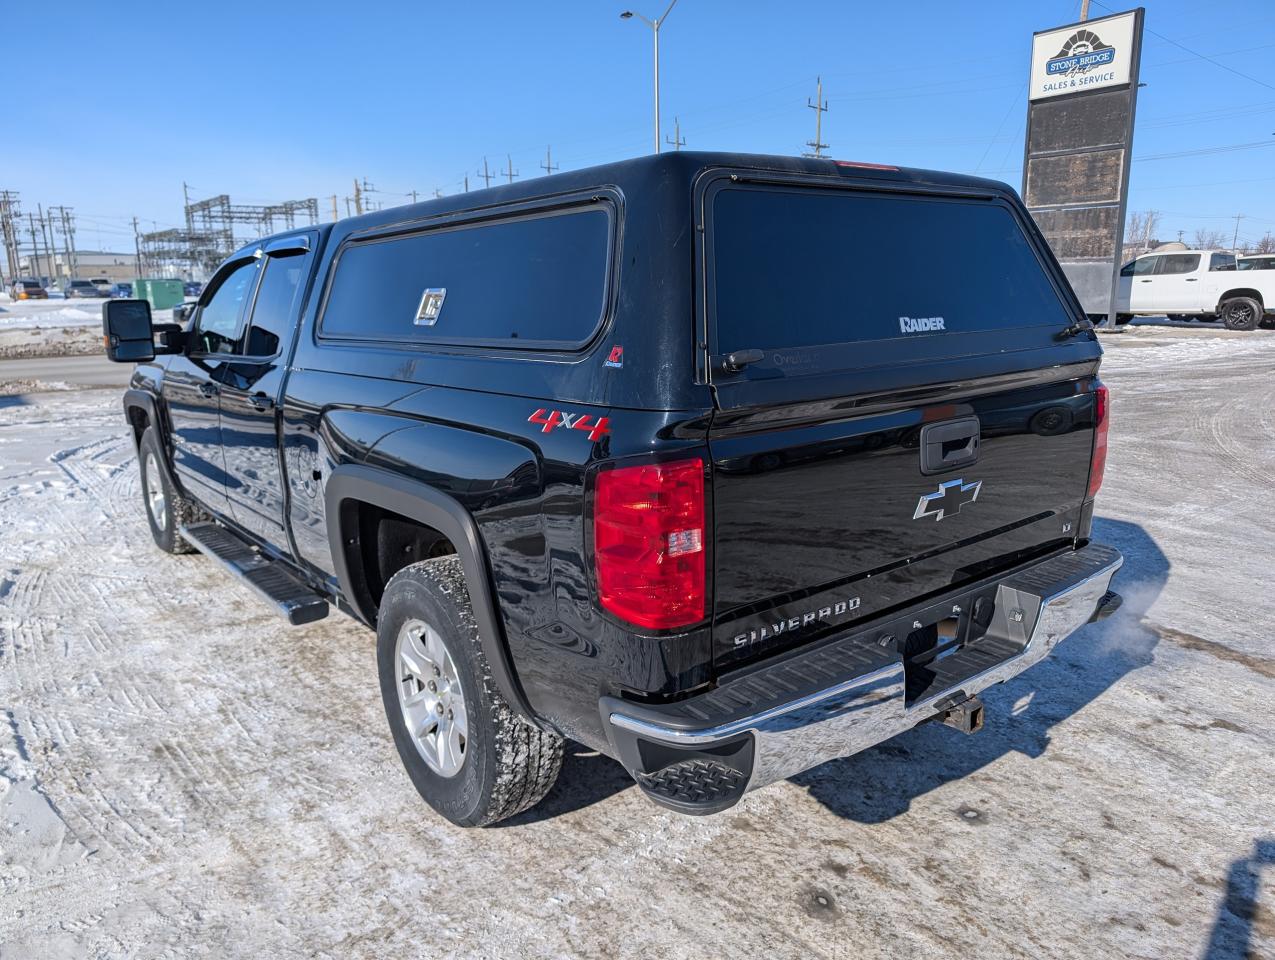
column 951, row 496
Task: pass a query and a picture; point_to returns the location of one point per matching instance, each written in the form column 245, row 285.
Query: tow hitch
column 966, row 716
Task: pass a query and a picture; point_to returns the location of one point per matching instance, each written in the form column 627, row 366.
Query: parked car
column 103, row 285
column 1203, row 284
column 192, row 288
column 27, row 290
column 518, row 432
column 83, row 289
column 122, row 289
column 1261, row 261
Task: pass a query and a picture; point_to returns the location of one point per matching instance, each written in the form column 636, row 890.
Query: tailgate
column 912, row 424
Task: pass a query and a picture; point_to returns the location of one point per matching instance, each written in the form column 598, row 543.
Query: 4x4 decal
column 572, row 421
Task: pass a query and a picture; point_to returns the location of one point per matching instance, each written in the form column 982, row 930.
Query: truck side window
column 531, row 282
column 1221, row 261
column 1173, row 263
column 218, row 325
column 1144, row 266
column 272, row 312
column 1127, row 269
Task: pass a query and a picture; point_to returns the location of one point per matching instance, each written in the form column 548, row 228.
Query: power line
column 1196, row 53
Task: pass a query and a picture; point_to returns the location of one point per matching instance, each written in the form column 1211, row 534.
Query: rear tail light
column 1102, row 420
column 648, row 543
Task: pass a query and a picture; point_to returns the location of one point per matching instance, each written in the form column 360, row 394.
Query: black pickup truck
column 724, row 466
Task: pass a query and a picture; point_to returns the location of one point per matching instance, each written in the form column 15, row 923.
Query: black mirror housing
column 127, row 331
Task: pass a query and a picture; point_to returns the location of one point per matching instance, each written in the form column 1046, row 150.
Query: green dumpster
column 160, row 293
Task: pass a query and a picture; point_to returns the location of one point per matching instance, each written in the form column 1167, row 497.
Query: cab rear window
column 796, row 269
column 535, row 281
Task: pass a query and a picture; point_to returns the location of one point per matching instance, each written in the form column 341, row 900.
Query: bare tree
column 1266, row 244
column 1204, row 239
column 1141, row 229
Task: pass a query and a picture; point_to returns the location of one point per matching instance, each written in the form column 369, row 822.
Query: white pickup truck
column 1204, row 284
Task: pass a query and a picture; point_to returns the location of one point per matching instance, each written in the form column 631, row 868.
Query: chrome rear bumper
column 705, row 767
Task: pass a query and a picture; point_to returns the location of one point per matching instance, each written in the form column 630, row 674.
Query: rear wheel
column 468, row 754
column 166, row 510
column 1241, row 313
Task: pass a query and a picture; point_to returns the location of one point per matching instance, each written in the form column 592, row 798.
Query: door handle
column 209, row 389
column 1144, row 281
column 259, row 401
column 1192, row 279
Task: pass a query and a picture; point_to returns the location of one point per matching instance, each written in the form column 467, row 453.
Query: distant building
column 90, row 265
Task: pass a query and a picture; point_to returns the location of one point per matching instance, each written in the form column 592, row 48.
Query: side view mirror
column 126, row 331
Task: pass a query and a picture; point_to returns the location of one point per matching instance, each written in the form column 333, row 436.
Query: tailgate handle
column 946, row 446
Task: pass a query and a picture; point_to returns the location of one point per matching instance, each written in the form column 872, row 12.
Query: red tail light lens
column 648, row 543
column 1102, row 420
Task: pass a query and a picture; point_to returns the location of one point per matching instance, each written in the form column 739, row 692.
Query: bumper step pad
column 295, row 602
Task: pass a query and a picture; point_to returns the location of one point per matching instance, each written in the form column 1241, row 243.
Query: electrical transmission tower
column 820, row 107
column 510, row 172
column 549, row 166
column 486, row 174
column 210, row 236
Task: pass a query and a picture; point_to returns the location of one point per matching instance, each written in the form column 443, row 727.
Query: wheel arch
column 356, row 484
column 1249, row 292
column 142, row 411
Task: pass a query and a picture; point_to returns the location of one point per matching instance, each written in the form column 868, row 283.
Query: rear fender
column 429, row 506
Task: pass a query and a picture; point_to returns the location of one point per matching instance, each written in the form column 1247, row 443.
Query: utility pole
column 61, row 214
column 510, row 172
column 1180, row 233
column 677, row 143
column 137, row 250
column 35, row 255
column 46, row 230
column 467, row 183
column 549, row 166
column 1084, row 9
column 336, row 214
column 438, row 194
column 413, row 196
column 358, row 198
column 1235, row 240
column 68, row 232
column 486, row 174
column 9, row 229
column 820, row 107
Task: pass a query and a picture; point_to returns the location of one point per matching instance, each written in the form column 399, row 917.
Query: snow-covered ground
column 54, row 327
column 182, row 775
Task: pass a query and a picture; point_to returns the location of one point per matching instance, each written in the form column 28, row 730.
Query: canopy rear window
column 886, row 277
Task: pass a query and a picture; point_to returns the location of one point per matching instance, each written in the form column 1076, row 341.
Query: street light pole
column 655, row 30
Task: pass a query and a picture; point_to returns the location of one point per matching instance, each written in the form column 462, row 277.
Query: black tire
column 508, row 765
column 1241, row 313
column 175, row 511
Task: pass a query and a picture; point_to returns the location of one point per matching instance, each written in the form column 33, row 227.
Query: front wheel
column 1241, row 313
column 468, row 754
column 166, row 510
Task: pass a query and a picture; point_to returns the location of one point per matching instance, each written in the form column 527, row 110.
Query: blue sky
column 276, row 101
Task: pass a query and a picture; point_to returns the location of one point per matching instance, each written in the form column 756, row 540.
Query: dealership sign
column 1082, row 57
